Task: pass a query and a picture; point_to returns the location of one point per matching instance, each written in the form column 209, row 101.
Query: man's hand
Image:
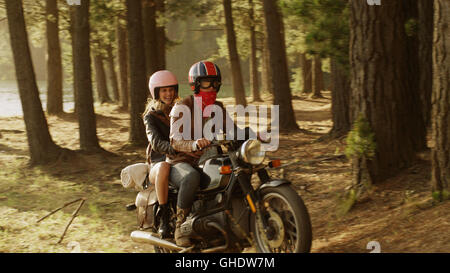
column 202, row 143
column 263, row 140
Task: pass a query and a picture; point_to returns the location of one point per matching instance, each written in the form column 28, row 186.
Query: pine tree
column 41, row 146
column 440, row 174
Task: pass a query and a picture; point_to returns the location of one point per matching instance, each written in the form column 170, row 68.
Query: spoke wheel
column 289, row 227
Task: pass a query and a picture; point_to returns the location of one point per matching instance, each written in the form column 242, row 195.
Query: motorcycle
column 230, row 214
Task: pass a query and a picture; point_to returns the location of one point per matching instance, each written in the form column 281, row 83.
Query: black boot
column 164, row 228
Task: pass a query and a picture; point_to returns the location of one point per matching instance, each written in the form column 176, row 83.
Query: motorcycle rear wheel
column 288, row 217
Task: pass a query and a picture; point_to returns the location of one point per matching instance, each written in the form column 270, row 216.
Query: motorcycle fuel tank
column 211, row 177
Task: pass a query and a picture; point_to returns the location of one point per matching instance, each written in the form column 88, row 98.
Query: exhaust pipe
column 148, row 237
column 218, row 248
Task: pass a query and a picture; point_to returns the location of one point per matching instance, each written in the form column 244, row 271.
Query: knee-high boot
column 164, row 228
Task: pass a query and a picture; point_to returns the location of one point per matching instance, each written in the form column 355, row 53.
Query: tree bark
column 161, row 36
column 413, row 94
column 138, row 83
column 254, row 84
column 41, row 146
column 440, row 154
column 150, row 36
column 317, row 77
column 122, row 53
column 54, row 62
column 425, row 57
column 72, row 41
column 340, row 100
column 82, row 78
column 278, row 63
column 236, row 73
column 379, row 83
column 306, row 74
column 266, row 81
column 112, row 74
column 100, row 76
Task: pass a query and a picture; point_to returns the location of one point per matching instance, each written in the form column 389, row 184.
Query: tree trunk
column 41, row 146
column 138, row 83
column 425, row 57
column 82, row 78
column 317, row 78
column 440, row 155
column 413, row 94
column 161, row 36
column 122, row 53
column 379, row 83
column 100, row 76
column 238, row 82
column 150, row 36
column 72, row 41
column 254, row 84
column 54, row 63
column 306, row 74
column 112, row 74
column 266, row 81
column 278, row 63
column 340, row 100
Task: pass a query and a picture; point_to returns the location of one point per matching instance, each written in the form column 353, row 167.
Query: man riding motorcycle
column 229, row 213
column 205, row 80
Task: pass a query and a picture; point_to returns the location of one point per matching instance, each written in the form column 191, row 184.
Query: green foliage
column 346, row 203
column 182, row 9
column 440, row 196
column 325, row 26
column 103, row 15
column 242, row 24
column 411, row 27
column 360, row 140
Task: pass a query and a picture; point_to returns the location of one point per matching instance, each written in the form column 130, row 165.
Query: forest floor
column 399, row 213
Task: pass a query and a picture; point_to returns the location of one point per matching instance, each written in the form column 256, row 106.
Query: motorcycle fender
column 274, row 183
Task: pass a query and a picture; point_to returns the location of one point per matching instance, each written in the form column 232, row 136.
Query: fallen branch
column 308, row 162
column 73, row 217
column 115, row 202
column 65, row 205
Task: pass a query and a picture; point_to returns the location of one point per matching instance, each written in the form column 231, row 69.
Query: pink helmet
column 162, row 78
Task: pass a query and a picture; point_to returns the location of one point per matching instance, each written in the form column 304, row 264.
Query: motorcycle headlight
column 251, row 152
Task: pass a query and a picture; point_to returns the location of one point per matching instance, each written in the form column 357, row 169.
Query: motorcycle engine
column 196, row 226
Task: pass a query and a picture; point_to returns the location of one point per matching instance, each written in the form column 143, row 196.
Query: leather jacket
column 157, row 127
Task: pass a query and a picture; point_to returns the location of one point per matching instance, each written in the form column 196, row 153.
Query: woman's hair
column 156, row 105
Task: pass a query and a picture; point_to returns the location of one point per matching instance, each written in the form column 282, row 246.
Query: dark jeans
column 187, row 180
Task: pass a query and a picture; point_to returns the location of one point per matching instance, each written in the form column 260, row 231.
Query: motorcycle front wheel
column 288, row 221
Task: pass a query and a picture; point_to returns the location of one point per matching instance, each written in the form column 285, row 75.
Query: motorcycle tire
column 287, row 214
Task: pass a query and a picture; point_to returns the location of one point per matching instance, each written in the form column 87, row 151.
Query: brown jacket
column 184, row 147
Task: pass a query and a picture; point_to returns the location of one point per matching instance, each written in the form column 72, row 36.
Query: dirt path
column 398, row 214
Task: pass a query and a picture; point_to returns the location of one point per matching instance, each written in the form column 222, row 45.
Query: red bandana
column 208, row 98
